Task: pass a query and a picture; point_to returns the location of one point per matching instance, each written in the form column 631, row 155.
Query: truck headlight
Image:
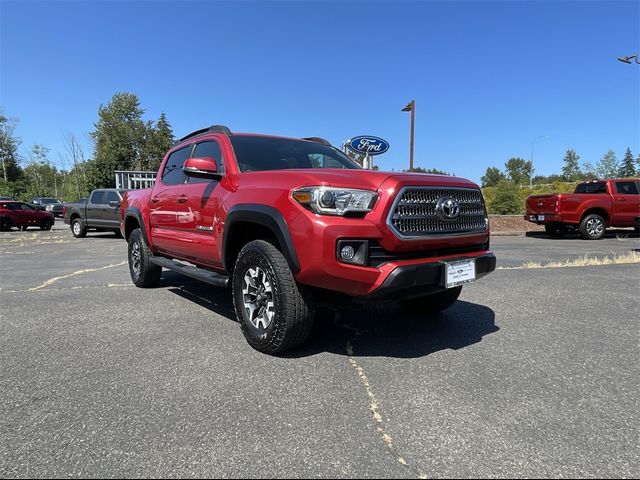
column 335, row 201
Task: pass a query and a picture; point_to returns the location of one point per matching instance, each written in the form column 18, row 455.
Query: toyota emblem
column 448, row 208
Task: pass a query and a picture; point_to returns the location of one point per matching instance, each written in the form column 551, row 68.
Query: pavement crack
column 374, row 408
column 79, row 272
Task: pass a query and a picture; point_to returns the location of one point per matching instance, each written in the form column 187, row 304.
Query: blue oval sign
column 368, row 144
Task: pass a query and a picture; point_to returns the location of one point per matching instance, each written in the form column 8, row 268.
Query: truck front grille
column 415, row 212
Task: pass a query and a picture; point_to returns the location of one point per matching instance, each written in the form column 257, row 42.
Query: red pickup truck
column 594, row 206
column 288, row 223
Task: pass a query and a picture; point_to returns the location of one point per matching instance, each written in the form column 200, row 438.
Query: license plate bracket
column 459, row 272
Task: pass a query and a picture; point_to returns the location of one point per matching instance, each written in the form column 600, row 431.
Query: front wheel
column 46, row 224
column 431, row 304
column 593, row 227
column 274, row 313
column 144, row 274
column 78, row 230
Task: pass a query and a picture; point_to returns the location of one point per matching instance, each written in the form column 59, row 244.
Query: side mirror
column 205, row 167
column 114, row 204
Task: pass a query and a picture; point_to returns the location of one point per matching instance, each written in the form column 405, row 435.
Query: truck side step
column 207, row 276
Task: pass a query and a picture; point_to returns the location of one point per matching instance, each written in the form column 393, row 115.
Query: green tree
column 571, row 167
column 159, row 139
column 607, row 167
column 492, row 177
column 120, row 140
column 519, row 170
column 506, row 200
column 430, row 170
column 627, row 169
column 9, row 149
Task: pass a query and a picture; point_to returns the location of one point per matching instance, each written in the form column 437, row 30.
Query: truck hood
column 363, row 179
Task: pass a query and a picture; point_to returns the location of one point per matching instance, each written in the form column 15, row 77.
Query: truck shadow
column 610, row 233
column 375, row 330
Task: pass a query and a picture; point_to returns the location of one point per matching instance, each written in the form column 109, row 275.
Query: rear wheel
column 275, row 314
column 78, row 230
column 431, row 304
column 593, row 227
column 144, row 274
column 555, row 229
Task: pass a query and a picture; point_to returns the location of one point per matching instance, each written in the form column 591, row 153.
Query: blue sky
column 487, row 77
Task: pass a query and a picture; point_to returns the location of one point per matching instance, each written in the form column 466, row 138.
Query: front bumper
column 423, row 279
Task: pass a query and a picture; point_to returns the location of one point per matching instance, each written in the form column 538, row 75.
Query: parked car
column 100, row 213
column 23, row 215
column 52, row 205
column 291, row 222
column 591, row 208
column 7, row 198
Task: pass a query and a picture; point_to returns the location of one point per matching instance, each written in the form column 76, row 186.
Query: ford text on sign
column 368, row 144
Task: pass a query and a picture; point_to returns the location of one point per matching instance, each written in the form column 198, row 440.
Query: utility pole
column 532, row 144
column 411, row 107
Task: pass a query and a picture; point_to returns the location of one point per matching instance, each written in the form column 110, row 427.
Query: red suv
column 291, row 222
column 23, row 215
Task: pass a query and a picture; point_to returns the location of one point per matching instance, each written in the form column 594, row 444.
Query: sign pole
column 413, row 119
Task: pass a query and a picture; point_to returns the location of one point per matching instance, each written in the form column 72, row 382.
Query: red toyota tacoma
column 593, row 207
column 288, row 223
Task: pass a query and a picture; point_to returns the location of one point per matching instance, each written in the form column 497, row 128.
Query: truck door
column 626, row 203
column 93, row 210
column 167, row 201
column 110, row 215
column 198, row 221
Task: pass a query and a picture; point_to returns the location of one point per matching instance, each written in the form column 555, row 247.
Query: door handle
column 622, row 199
column 182, row 198
column 155, row 199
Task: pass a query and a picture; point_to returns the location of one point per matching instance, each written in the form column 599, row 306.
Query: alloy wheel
column 258, row 298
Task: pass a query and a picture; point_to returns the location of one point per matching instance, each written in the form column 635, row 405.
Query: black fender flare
column 268, row 217
column 133, row 212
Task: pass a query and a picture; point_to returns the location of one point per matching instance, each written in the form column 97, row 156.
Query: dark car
column 52, row 205
column 23, row 215
column 6, row 198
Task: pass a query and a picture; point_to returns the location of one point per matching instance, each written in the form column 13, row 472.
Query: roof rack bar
column 211, row 129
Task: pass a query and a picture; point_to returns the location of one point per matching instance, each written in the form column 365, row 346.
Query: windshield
column 49, row 200
column 269, row 153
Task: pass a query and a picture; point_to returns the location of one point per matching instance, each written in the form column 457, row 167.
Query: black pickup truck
column 100, row 213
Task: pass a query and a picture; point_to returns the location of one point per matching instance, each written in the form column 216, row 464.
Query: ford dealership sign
column 368, row 144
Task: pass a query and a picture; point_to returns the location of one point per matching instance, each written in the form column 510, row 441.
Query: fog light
column 347, row 252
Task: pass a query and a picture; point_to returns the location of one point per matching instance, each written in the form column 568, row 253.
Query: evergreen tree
column 159, row 140
column 608, row 165
column 119, row 136
column 571, row 167
column 627, row 169
column 519, row 171
column 492, row 177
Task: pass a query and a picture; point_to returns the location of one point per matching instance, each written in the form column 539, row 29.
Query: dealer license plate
column 459, row 273
column 541, row 218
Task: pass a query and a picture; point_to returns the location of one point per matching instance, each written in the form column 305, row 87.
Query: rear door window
column 595, row 187
column 627, row 188
column 97, row 197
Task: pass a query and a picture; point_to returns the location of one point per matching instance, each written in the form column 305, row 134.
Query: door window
column 211, row 149
column 96, row 197
column 627, row 188
column 112, row 197
column 26, row 207
column 172, row 174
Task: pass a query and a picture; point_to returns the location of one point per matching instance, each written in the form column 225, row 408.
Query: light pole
column 532, row 144
column 411, row 107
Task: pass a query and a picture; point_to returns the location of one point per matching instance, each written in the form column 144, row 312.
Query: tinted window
column 172, row 174
column 112, row 197
column 627, row 188
column 25, row 206
column 595, row 187
column 10, row 206
column 208, row 149
column 268, row 153
column 96, row 197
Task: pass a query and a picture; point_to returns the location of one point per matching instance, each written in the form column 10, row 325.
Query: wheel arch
column 247, row 222
column 133, row 219
column 596, row 210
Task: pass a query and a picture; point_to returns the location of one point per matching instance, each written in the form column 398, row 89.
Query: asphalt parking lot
column 533, row 373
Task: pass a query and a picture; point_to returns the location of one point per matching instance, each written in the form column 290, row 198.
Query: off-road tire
column 144, row 274
column 593, row 227
column 79, row 230
column 292, row 320
column 556, row 230
column 431, row 304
